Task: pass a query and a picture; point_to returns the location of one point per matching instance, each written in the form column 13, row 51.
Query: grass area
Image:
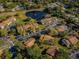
column 1, row 42
column 58, row 45
column 41, row 27
column 20, row 14
column 8, row 54
column 2, row 17
column 19, row 21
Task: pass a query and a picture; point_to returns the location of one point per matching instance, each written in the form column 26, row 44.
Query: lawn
column 1, row 42
column 58, row 45
column 20, row 14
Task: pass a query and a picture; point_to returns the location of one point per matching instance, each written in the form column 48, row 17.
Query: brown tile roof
column 29, row 43
column 61, row 28
column 32, row 25
column 45, row 37
column 6, row 22
column 27, row 26
column 52, row 51
column 72, row 39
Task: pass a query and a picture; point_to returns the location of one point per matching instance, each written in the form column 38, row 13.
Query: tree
column 19, row 56
column 53, row 32
column 45, row 57
column 62, row 55
column 8, row 54
column 12, row 5
column 3, row 32
column 1, row 42
column 34, row 52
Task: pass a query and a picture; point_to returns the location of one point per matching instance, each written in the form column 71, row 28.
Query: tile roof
column 52, row 51
column 7, row 22
column 72, row 39
column 29, row 43
column 27, row 26
column 45, row 37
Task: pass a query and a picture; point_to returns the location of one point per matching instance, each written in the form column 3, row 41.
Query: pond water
column 38, row 15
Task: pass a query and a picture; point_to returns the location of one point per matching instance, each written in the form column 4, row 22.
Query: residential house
column 65, row 42
column 31, row 25
column 74, row 53
column 18, row 7
column 46, row 38
column 29, row 42
column 62, row 28
column 27, row 26
column 48, row 21
column 48, row 16
column 52, row 6
column 70, row 40
column 52, row 51
column 7, row 22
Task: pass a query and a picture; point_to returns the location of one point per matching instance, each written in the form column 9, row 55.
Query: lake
column 38, row 15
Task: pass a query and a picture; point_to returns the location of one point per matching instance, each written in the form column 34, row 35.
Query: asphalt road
column 15, row 12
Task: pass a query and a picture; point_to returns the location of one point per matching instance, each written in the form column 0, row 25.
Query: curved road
column 15, row 12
